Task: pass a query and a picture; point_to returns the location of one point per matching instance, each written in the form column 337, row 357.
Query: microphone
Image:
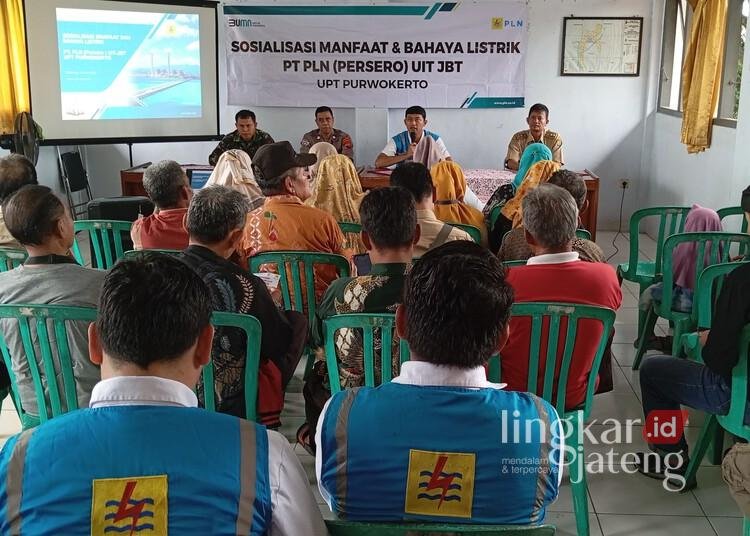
column 412, row 136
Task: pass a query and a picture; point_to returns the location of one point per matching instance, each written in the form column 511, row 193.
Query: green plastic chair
column 494, row 215
column 253, row 332
column 42, row 316
column 286, row 264
column 646, row 273
column 11, row 258
column 473, row 231
column 106, row 239
column 554, row 313
column 132, row 253
column 734, row 211
column 732, row 422
column 350, row 227
column 684, row 322
column 337, row 527
column 583, row 234
column 384, row 323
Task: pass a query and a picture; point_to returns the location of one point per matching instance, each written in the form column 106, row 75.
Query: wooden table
column 131, row 180
column 370, row 180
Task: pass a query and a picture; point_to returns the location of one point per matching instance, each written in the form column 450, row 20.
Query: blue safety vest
column 143, row 470
column 404, row 452
column 403, row 140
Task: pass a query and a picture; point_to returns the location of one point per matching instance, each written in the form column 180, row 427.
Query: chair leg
column 648, row 328
column 717, row 446
column 578, row 485
column 746, row 527
column 677, row 349
column 641, row 314
column 704, row 440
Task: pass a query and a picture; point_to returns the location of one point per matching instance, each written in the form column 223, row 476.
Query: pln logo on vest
column 440, row 483
column 136, row 505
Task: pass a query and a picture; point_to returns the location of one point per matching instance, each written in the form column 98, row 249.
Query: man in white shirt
column 401, row 146
column 441, row 443
column 144, row 457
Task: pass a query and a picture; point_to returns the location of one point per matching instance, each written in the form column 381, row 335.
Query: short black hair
column 31, row 214
column 539, row 107
column 15, row 171
column 389, row 218
column 152, row 308
column 414, row 177
column 413, row 110
column 572, row 182
column 323, row 109
column 457, row 303
column 245, row 114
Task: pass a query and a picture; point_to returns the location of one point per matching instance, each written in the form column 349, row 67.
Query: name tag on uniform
column 136, row 505
column 440, row 483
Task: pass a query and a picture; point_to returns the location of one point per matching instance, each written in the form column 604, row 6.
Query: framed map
column 601, row 46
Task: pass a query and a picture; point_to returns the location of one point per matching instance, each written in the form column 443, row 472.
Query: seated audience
column 555, row 274
column 197, row 473
column 668, row 382
column 435, row 433
column 516, row 248
column 246, row 137
column 389, row 231
column 234, row 169
column 537, row 133
column 340, row 140
column 168, row 187
column 215, row 221
column 337, row 190
column 37, row 218
column 284, row 222
column 15, row 171
column 450, row 203
column 416, row 178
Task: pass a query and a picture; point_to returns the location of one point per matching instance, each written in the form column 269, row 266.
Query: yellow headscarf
column 450, row 187
column 537, row 174
column 322, row 150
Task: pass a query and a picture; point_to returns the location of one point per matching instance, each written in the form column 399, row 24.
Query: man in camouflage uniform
column 246, row 137
column 537, row 132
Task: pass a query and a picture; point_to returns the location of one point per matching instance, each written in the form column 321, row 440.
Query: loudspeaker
column 119, row 208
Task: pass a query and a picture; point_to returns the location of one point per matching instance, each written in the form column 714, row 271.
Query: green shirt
column 234, row 141
column 379, row 292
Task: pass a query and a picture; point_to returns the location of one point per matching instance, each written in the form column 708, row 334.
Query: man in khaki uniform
column 537, row 132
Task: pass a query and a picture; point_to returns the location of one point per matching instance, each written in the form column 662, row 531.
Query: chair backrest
column 733, row 421
column 727, row 212
column 44, row 317
column 11, row 258
column 719, row 246
column 671, row 221
column 472, row 231
column 350, row 227
column 583, row 234
column 384, row 323
column 287, row 265
column 251, row 326
column 553, row 314
column 106, row 240
column 707, row 291
column 337, row 527
column 74, row 171
column 132, row 253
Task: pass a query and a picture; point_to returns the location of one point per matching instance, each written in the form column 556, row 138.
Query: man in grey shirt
column 37, row 218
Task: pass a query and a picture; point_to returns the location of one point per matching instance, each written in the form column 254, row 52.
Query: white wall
column 601, row 119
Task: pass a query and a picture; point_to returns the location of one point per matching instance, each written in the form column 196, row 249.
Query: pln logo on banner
column 440, row 483
column 499, row 23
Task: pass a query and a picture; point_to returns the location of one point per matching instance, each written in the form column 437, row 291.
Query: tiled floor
column 619, row 503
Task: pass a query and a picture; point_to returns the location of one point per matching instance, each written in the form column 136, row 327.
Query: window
column 677, row 23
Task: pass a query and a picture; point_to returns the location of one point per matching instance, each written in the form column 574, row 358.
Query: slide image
column 128, row 65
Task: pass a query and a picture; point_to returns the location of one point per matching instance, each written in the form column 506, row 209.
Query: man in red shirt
column 555, row 274
column 168, row 187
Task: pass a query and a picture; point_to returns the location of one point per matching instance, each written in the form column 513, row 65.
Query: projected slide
column 128, row 65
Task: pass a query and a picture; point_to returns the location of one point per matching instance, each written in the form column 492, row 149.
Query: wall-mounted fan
column 25, row 138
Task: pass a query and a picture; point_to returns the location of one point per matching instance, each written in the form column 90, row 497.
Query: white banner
column 437, row 55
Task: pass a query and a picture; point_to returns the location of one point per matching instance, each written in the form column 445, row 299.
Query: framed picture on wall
column 601, row 46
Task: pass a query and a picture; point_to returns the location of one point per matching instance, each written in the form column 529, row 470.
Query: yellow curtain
column 701, row 72
column 14, row 80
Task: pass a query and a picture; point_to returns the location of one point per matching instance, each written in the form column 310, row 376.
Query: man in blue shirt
column 401, row 146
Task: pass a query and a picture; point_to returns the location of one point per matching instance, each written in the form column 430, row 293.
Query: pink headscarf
column 699, row 219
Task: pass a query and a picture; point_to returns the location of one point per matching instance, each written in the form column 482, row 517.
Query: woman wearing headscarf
column 699, row 219
column 322, row 150
column 450, row 190
column 338, row 191
column 532, row 155
column 234, row 170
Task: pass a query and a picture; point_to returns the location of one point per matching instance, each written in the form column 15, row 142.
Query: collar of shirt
column 554, row 258
column 334, row 134
column 170, row 213
column 283, row 199
column 426, row 214
column 141, row 391
column 430, row 375
column 388, row 268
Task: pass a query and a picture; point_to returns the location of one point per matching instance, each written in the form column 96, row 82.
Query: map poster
column 603, row 46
